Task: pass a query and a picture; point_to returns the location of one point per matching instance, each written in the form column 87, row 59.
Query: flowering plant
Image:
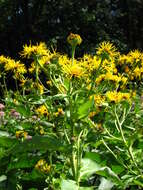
column 71, row 122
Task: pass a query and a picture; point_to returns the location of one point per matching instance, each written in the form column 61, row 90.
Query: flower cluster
column 43, row 166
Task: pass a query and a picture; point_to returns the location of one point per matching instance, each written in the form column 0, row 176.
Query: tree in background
column 52, row 20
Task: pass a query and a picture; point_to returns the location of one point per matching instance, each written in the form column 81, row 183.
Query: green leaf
column 22, row 162
column 86, row 188
column 109, row 174
column 93, row 156
column 69, row 185
column 34, row 175
column 8, row 142
column 40, row 143
column 46, row 124
column 4, row 133
column 3, row 178
column 23, row 110
column 139, row 183
column 117, row 169
column 89, row 167
column 2, row 152
column 26, row 125
column 84, row 109
column 105, row 184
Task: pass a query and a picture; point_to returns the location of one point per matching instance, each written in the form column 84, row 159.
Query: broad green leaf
column 22, row 162
column 27, row 125
column 84, row 109
column 139, row 183
column 117, row 169
column 108, row 173
column 2, row 152
column 69, row 185
column 105, row 184
column 93, row 156
column 23, row 110
column 86, row 188
column 88, row 167
column 3, row 178
column 46, row 124
column 8, row 142
column 34, row 175
column 140, row 145
column 4, row 133
column 41, row 143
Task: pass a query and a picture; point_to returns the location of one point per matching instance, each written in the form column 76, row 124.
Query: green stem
column 129, row 148
column 73, row 162
column 109, row 148
column 37, row 70
column 79, row 156
column 16, row 84
column 73, row 53
column 5, row 86
column 73, row 156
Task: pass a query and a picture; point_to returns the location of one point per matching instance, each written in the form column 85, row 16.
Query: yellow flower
column 3, row 59
column 137, row 72
column 108, row 77
column 22, row 82
column 20, row 68
column 127, row 69
column 59, row 112
column 74, row 39
column 123, row 59
column 92, row 114
column 32, row 68
column 35, row 50
column 100, row 79
column 64, row 60
column 40, row 88
column 89, row 63
column 43, row 166
column 107, row 49
column 41, row 130
column 42, row 110
column 21, row 133
column 15, row 66
column 73, row 70
column 124, row 80
column 49, row 82
column 111, row 77
column 109, row 66
column 117, row 97
column 135, row 55
column 98, row 99
column 10, row 65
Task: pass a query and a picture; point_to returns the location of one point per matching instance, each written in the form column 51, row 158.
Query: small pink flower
column 1, row 106
column 1, row 114
column 34, row 117
column 29, row 137
column 14, row 113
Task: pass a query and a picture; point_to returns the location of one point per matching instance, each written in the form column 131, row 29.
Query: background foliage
column 52, row 20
